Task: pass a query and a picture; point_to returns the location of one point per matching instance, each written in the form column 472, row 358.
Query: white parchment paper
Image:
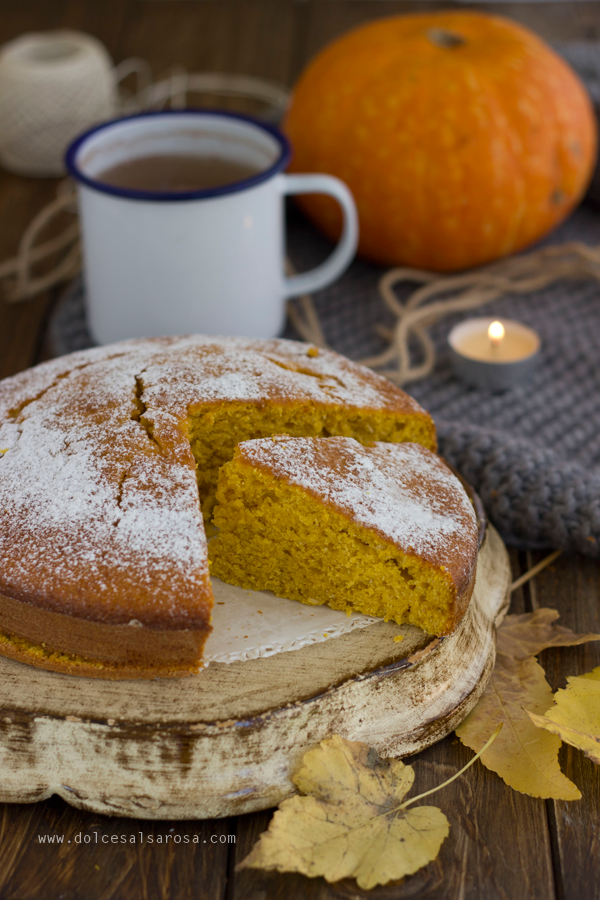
column 250, row 624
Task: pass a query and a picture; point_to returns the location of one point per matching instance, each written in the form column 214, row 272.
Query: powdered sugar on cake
column 403, row 492
column 98, row 490
column 86, row 496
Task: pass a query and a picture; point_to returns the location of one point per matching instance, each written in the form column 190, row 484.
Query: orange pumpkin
column 462, row 136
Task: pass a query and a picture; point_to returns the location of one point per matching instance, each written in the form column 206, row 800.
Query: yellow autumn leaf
column 526, row 757
column 575, row 716
column 350, row 824
column 353, row 822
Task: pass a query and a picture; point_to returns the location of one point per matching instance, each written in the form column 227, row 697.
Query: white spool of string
column 57, row 84
column 53, row 85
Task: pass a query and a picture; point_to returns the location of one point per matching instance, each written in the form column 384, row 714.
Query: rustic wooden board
column 224, row 741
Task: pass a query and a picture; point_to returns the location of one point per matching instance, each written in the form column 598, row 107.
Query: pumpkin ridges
column 547, row 168
column 508, row 174
column 427, row 184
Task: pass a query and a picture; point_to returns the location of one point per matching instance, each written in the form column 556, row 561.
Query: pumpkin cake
column 108, row 460
column 384, row 529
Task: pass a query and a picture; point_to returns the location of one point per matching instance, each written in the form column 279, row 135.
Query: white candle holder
column 497, row 365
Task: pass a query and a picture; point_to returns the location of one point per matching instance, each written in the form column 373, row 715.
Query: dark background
column 502, row 844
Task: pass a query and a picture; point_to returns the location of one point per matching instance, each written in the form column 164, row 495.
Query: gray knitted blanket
column 532, row 453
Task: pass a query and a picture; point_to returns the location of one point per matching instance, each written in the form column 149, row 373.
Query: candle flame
column 496, row 333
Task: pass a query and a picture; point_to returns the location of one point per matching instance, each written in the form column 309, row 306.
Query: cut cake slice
column 384, row 529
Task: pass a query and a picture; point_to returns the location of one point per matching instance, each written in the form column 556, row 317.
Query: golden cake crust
column 99, row 513
column 77, row 646
column 402, row 493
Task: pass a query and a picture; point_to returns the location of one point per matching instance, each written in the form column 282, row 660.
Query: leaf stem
column 458, row 774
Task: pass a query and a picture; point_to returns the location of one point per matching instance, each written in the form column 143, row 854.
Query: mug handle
column 340, row 259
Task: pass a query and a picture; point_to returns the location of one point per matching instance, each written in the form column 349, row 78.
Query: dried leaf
column 352, row 824
column 575, row 716
column 525, row 757
column 527, row 635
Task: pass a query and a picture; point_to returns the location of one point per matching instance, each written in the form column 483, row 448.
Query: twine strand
column 305, row 319
column 442, row 295
column 436, row 296
column 17, row 278
column 19, row 281
column 64, row 202
column 174, row 89
column 306, row 322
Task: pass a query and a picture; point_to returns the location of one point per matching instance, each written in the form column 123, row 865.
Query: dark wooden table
column 502, row 844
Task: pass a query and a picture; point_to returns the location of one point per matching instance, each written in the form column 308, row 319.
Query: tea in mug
column 176, row 172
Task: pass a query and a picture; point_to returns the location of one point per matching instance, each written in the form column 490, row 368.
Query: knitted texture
column 532, row 453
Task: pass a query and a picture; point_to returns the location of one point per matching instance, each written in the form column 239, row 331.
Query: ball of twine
column 53, row 85
column 42, row 264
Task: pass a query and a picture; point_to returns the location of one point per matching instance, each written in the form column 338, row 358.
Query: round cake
column 109, row 461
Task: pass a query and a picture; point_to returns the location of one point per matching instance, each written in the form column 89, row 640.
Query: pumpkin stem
column 443, row 38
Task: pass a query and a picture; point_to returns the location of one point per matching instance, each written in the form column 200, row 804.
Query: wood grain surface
column 502, row 844
column 195, row 748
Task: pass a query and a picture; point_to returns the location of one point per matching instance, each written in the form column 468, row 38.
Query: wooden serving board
column 224, row 741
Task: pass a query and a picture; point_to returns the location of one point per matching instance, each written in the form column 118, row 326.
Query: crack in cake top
column 99, row 509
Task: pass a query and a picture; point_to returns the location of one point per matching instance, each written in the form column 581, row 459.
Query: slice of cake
column 384, row 529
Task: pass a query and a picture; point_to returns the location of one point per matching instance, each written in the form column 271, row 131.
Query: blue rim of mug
column 133, row 194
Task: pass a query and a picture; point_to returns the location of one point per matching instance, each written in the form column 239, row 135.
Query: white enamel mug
column 209, row 261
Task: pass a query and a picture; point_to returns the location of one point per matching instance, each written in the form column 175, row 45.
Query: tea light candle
column 492, row 353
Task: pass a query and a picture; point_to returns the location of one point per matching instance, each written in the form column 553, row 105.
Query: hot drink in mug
column 183, row 228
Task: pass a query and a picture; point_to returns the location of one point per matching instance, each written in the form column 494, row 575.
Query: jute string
column 20, row 277
column 19, row 282
column 535, row 570
column 437, row 297
column 442, row 295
